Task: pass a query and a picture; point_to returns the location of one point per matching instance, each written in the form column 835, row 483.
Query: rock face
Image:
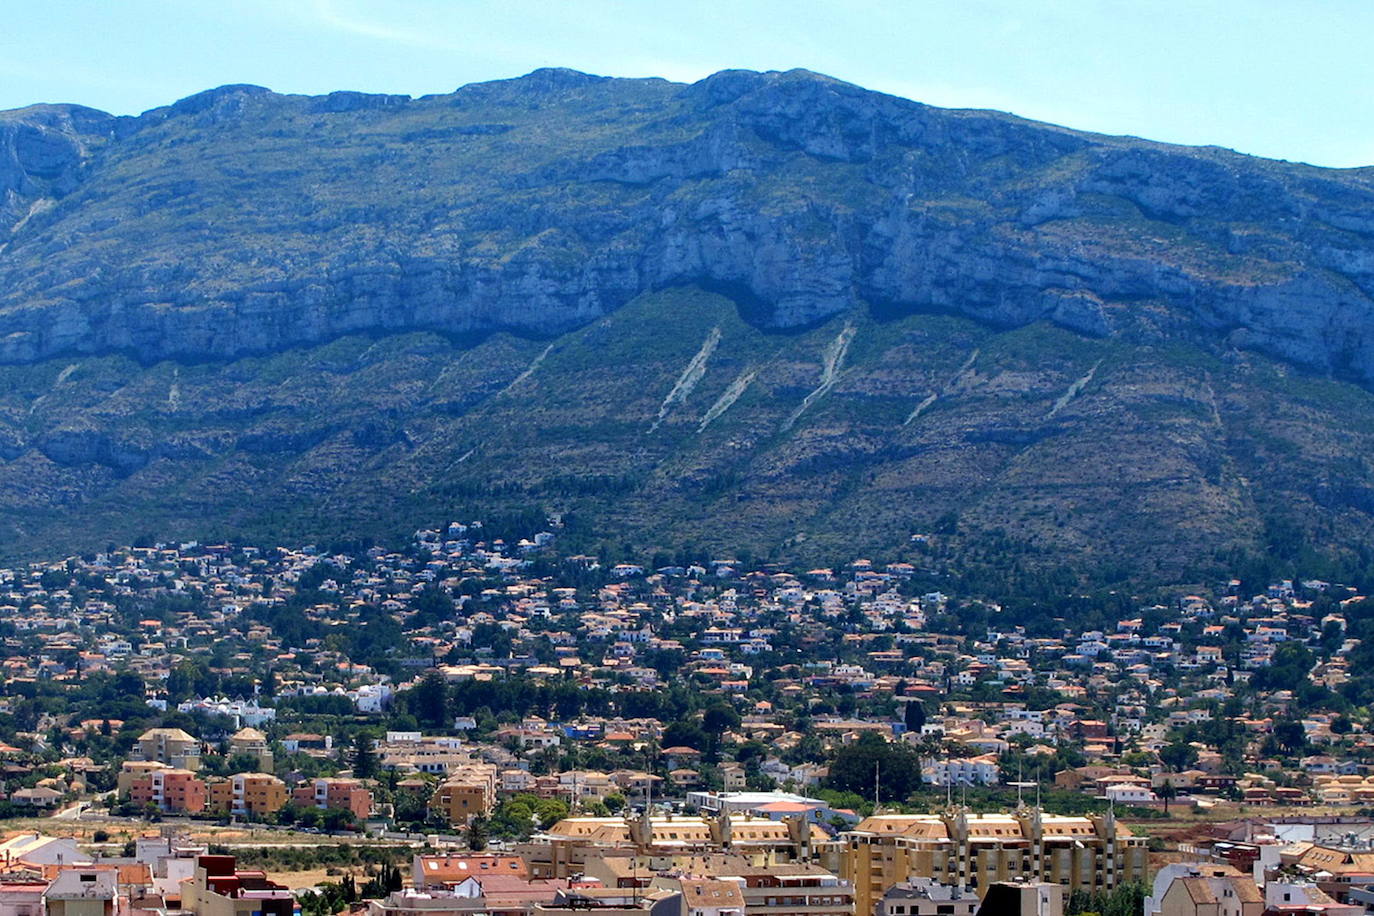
column 672, row 422
column 284, row 318
column 239, row 221
column 43, row 152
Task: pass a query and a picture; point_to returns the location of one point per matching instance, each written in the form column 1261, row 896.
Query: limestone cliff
column 239, row 221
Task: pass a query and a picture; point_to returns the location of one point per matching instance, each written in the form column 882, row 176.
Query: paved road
column 72, row 812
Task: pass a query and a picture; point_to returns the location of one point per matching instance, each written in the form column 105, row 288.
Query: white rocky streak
column 968, row 364
column 529, row 370
column 1069, row 395
column 1216, row 408
column 57, row 383
column 832, row 360
column 689, row 378
column 41, row 205
column 728, row 397
column 920, row 408
column 934, row 395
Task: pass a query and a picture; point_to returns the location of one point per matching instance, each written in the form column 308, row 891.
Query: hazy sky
column 1291, row 79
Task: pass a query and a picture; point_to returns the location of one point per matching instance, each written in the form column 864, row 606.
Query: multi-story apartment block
column 974, row 851
column 172, row 789
column 253, row 743
column 982, row 770
column 458, row 801
column 171, row 746
column 566, row 847
column 247, row 795
column 345, row 794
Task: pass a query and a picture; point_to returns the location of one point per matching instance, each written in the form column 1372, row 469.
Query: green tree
column 914, row 715
column 719, row 718
column 1124, row 900
column 716, row 721
column 364, row 757
column 1287, row 670
column 1289, row 735
column 334, row 819
column 872, row 762
column 428, row 701
column 478, row 831
column 1178, row 756
column 684, row 733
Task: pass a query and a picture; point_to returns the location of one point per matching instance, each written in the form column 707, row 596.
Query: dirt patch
column 297, row 880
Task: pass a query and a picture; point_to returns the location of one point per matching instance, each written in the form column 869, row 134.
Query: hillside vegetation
column 765, row 313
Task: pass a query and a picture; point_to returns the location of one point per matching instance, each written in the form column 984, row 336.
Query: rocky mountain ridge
column 239, row 221
column 770, row 313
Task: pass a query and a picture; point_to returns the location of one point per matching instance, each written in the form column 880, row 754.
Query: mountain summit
column 889, row 315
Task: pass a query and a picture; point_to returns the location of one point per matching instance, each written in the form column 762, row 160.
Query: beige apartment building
column 565, row 849
column 468, row 791
column 247, row 795
column 459, row 802
column 171, row 746
column 253, row 743
column 974, row 851
column 132, row 771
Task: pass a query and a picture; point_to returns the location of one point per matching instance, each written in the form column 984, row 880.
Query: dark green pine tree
column 915, row 715
column 364, row 757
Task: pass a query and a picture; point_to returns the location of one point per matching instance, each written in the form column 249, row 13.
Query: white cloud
column 329, row 14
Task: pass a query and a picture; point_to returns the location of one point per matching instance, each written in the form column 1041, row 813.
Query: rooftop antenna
column 1020, row 784
column 877, row 775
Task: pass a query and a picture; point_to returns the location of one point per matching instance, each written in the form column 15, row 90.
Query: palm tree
column 1168, row 792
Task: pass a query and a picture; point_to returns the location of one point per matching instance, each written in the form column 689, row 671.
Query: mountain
column 765, row 312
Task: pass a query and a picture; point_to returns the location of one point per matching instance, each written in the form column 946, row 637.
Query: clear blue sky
column 1291, row 79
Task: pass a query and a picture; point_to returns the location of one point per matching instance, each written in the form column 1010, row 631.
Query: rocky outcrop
column 240, row 221
column 43, row 150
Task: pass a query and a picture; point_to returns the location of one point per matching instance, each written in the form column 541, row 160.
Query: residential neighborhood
column 549, row 731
